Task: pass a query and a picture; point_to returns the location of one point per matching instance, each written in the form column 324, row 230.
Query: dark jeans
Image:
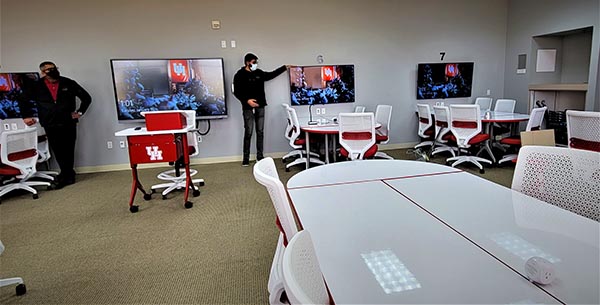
column 252, row 117
column 62, row 143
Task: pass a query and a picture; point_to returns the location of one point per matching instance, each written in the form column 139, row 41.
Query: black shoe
column 245, row 163
column 260, row 157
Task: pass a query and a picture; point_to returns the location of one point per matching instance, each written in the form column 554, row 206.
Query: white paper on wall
column 546, row 60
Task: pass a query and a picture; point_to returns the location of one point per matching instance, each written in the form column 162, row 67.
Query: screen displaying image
column 444, row 80
column 169, row 84
column 11, row 89
column 322, row 84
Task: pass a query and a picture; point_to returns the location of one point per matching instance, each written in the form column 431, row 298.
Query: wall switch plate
column 122, row 144
column 322, row 110
column 14, row 126
column 215, row 24
column 488, row 92
column 521, row 71
column 233, row 44
column 6, row 126
column 318, row 110
column 224, row 44
column 109, row 144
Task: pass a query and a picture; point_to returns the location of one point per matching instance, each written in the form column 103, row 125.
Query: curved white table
column 398, row 232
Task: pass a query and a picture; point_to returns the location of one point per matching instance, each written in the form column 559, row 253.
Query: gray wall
column 384, row 39
column 576, row 58
column 528, row 18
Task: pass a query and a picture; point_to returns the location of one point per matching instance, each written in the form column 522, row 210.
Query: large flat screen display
column 169, row 84
column 322, row 84
column 11, row 90
column 444, row 80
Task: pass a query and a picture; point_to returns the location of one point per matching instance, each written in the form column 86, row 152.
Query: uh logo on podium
column 154, row 153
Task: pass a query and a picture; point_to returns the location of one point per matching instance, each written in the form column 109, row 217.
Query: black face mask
column 53, row 73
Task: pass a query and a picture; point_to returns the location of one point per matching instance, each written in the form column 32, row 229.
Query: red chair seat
column 300, row 141
column 380, row 138
column 429, row 132
column 6, row 170
column 475, row 140
column 584, row 144
column 368, row 154
column 515, row 141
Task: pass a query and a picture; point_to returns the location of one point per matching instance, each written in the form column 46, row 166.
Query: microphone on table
column 310, row 120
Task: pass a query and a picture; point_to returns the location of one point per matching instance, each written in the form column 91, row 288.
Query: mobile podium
column 164, row 139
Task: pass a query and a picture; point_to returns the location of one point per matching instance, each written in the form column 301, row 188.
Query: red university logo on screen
column 179, row 71
column 327, row 73
column 154, row 153
column 5, row 83
column 451, row 70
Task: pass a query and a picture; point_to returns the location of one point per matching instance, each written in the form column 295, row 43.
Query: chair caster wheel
column 164, row 197
column 134, row 208
column 287, row 169
column 448, row 163
column 147, row 197
column 188, row 204
column 35, row 196
column 482, row 171
column 152, row 191
column 21, row 289
column 201, row 183
column 196, row 193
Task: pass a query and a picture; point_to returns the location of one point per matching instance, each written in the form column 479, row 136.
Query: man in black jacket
column 55, row 98
column 249, row 88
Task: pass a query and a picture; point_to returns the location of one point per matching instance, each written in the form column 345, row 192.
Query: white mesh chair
column 583, row 130
column 442, row 131
column 360, row 109
column 20, row 289
column 535, row 122
column 357, row 135
column 176, row 176
column 44, row 155
column 302, row 275
column 567, row 178
column 485, row 103
column 505, row 105
column 266, row 174
column 289, row 132
column 465, row 125
column 383, row 116
column 18, row 158
column 426, row 130
column 298, row 142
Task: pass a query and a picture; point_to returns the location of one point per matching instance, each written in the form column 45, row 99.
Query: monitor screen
column 11, row 89
column 322, row 84
column 444, row 80
column 169, row 84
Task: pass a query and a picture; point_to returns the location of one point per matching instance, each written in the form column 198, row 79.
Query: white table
column 451, row 230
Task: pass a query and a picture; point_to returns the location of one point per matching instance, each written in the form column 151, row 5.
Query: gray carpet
column 81, row 245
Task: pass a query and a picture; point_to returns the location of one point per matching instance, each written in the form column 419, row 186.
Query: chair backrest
column 359, row 109
column 302, row 277
column 18, row 149
column 295, row 128
column 265, row 173
column 465, row 123
column 485, row 103
column 583, row 130
column 192, row 136
column 288, row 126
column 567, row 178
column 357, row 133
column 505, row 105
column 536, row 118
column 424, row 119
column 442, row 114
column 383, row 116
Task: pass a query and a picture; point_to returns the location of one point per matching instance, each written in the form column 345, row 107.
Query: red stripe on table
column 471, row 241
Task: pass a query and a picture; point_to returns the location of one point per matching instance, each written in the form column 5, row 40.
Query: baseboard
column 209, row 160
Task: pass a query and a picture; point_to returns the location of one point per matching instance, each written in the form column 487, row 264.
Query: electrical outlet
column 233, row 44
column 6, row 126
column 318, row 110
column 109, row 144
column 14, row 126
column 224, row 44
column 322, row 110
column 488, row 92
column 122, row 144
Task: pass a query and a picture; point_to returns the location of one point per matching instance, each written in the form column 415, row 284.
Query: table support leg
column 326, row 149
column 306, row 135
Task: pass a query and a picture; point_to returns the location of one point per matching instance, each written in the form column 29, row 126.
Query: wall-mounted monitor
column 169, row 84
column 444, row 80
column 331, row 84
column 11, row 90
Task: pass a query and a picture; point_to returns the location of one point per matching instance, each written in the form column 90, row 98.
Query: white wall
column 384, row 39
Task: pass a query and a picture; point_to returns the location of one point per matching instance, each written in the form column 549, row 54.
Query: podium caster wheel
column 35, row 196
column 482, row 171
column 21, row 289
column 147, row 197
column 164, row 197
column 201, row 183
column 134, row 209
column 188, row 205
column 196, row 193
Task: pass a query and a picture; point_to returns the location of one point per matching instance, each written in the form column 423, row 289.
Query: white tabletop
column 455, row 245
column 143, row 131
column 500, row 117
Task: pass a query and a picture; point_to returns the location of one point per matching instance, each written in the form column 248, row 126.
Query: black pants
column 62, row 143
column 254, row 117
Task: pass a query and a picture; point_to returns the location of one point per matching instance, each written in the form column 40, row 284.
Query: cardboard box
column 538, row 137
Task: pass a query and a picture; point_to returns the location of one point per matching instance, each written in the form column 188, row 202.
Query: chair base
column 303, row 161
column 508, row 158
column 275, row 284
column 20, row 289
column 443, row 147
column 23, row 185
column 472, row 159
column 48, row 175
column 424, row 143
column 177, row 182
column 382, row 155
column 299, row 153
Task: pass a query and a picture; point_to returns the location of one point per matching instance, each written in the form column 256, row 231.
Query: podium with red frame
column 164, row 139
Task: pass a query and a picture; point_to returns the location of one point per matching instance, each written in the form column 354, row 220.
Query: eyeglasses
column 48, row 69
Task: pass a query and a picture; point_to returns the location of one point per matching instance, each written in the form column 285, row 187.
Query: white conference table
column 462, row 238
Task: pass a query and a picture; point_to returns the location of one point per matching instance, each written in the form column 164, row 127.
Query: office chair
column 583, row 130
column 383, row 116
column 357, row 135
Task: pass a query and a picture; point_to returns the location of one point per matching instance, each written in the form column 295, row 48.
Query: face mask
column 253, row 67
column 53, row 73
